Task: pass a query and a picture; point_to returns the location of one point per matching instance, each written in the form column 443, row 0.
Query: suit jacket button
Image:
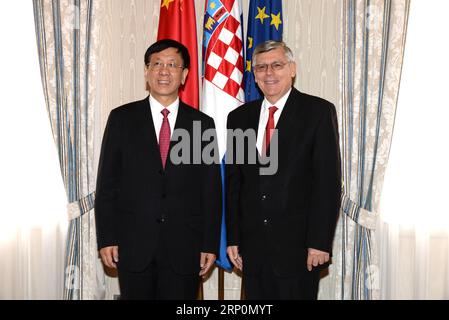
column 264, row 197
column 265, row 222
column 161, row 172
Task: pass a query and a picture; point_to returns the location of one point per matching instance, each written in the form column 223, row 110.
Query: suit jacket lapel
column 255, row 116
column 147, row 133
column 288, row 120
column 253, row 124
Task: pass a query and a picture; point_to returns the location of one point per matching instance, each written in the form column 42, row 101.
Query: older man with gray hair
column 280, row 227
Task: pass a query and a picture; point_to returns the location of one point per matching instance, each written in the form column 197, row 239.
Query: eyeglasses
column 171, row 66
column 275, row 66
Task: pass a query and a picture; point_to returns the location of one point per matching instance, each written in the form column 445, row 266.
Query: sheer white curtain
column 33, row 220
column 414, row 225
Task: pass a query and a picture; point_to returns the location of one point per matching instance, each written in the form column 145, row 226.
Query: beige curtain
column 373, row 49
column 68, row 45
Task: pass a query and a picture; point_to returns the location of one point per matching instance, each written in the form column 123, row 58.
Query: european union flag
column 264, row 23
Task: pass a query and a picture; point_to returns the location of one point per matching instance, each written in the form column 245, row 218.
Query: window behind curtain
column 32, row 198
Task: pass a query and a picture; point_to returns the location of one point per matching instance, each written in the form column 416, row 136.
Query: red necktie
column 269, row 129
column 164, row 137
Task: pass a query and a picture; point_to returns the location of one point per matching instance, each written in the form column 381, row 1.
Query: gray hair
column 272, row 45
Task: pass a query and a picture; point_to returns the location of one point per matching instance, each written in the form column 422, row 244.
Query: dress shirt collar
column 279, row 104
column 158, row 107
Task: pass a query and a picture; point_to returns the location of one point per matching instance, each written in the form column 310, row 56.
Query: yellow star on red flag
column 166, row 3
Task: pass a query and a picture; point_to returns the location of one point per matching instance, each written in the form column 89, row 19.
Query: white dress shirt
column 156, row 109
column 263, row 119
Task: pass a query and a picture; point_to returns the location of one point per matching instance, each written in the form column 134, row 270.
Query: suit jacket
column 276, row 218
column 142, row 208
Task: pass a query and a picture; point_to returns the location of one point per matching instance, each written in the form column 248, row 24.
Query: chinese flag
column 177, row 21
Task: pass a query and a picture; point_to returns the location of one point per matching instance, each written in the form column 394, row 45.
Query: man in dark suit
column 280, row 227
column 158, row 220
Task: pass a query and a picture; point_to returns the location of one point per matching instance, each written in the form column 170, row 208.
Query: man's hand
column 109, row 256
column 316, row 257
column 234, row 256
column 206, row 262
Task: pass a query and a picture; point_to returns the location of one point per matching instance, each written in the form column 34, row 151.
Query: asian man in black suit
column 158, row 220
column 280, row 226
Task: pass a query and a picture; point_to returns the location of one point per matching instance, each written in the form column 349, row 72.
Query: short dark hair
column 161, row 45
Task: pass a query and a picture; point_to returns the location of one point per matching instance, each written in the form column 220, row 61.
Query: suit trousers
column 268, row 285
column 157, row 282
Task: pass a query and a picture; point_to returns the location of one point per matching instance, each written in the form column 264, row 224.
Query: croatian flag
column 223, row 64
